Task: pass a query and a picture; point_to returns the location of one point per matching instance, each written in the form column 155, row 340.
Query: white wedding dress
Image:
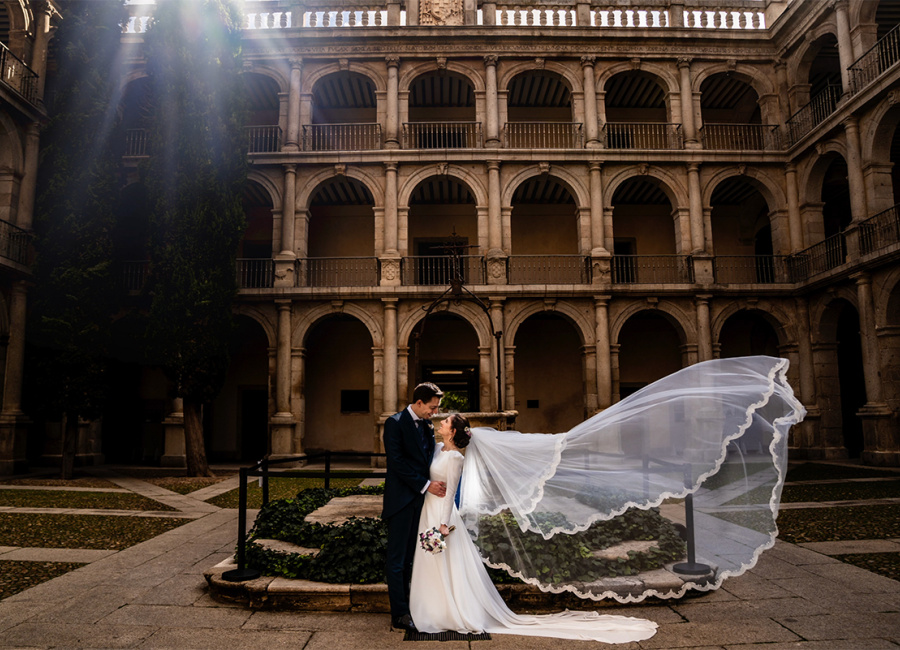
column 451, row 590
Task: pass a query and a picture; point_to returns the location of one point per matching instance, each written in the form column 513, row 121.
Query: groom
column 409, row 445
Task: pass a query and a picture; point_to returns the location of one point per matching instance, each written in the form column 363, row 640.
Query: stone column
column 845, row 44
column 13, row 423
column 604, row 359
column 25, row 209
column 283, row 420
column 598, row 236
column 485, row 378
column 492, row 128
column 854, row 170
column 496, row 256
column 704, row 335
column 795, row 225
column 698, row 243
column 173, row 427
column 497, row 321
column 687, row 104
column 807, row 374
column 390, row 261
column 390, row 404
column 509, row 372
column 591, row 128
column 784, row 103
column 392, row 125
column 292, row 139
column 589, row 377
column 285, row 261
column 42, row 32
column 867, row 336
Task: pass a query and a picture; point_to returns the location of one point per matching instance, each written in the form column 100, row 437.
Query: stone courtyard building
column 625, row 189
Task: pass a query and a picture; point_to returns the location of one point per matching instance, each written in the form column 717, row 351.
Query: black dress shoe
column 403, row 623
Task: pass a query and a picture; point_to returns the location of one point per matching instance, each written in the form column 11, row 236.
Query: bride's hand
column 444, row 530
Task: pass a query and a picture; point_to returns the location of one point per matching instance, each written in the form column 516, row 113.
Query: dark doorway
column 254, row 423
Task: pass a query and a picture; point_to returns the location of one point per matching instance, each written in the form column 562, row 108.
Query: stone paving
column 154, row 595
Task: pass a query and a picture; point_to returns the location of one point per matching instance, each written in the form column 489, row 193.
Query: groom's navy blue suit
column 408, row 461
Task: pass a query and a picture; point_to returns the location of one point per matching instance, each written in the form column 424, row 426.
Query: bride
column 711, row 438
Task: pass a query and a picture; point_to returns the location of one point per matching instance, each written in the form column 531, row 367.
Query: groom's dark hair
column 425, row 392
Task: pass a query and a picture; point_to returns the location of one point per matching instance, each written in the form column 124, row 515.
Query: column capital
column 289, row 168
column 588, row 61
column 862, row 278
column 391, row 166
column 492, row 165
column 693, row 167
column 296, row 62
column 850, row 123
column 602, row 301
column 491, row 60
column 790, row 168
column 779, row 64
column 595, row 166
column 684, row 62
column 392, row 60
column 284, row 305
column 702, row 299
column 390, row 303
column 839, row 5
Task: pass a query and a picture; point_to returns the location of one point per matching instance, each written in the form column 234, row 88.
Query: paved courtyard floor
column 153, row 595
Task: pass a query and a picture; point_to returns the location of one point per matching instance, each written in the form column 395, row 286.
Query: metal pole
column 691, row 567
column 327, row 470
column 264, row 463
column 241, row 573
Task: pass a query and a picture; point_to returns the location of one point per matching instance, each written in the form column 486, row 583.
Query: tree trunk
column 68, row 446
column 195, row 449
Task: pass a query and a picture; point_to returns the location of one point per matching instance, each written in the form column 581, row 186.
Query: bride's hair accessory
column 468, row 431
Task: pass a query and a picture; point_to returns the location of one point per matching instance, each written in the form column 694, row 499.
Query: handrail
column 813, row 114
column 14, row 242
column 16, row 74
column 880, row 230
column 642, row 135
column 876, row 60
column 261, row 469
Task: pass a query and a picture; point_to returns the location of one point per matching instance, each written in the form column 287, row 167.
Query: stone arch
column 759, row 178
column 573, row 183
column 308, row 186
column 262, row 318
column 665, row 76
column 20, row 16
column 373, row 74
column 275, row 74
column 582, row 323
column 812, row 178
column 878, row 132
column 887, row 298
column 809, row 48
column 132, row 76
column 474, row 182
column 574, row 81
column 750, row 75
column 471, row 314
column 308, row 320
column 672, row 186
column 265, row 181
column 471, row 74
column 822, row 324
column 679, row 319
column 861, row 12
column 780, row 321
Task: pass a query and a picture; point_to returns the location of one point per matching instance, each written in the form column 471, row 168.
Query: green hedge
column 355, row 551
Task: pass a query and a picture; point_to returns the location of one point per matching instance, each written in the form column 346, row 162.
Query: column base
column 881, row 443
column 282, row 428
column 174, row 451
column 14, row 429
column 826, row 453
column 300, row 460
column 173, row 461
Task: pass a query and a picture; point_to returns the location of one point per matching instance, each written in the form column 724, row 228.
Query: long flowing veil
column 675, row 487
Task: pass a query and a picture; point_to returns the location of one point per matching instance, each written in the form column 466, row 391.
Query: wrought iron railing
column 642, row 135
column 441, row 269
column 752, row 269
column 880, row 57
column 880, row 231
column 549, row 269
column 263, row 139
column 17, row 75
column 739, row 137
column 255, row 273
column 652, row 269
column 441, row 135
column 341, row 137
column 136, row 145
column 813, row 114
column 543, row 135
column 818, row 258
column 14, row 243
column 338, row 272
column 134, row 274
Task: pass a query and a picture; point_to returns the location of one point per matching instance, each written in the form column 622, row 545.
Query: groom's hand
column 438, row 488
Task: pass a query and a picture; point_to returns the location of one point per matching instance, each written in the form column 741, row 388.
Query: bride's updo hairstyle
column 461, row 432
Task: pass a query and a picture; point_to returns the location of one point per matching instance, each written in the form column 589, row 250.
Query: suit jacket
column 407, row 463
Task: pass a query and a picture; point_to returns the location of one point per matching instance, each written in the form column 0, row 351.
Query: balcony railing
column 341, row 137
column 752, row 269
column 739, row 137
column 642, row 135
column 652, row 269
column 255, row 273
column 136, row 143
column 813, row 114
column 441, row 135
column 440, row 269
column 338, row 272
column 882, row 56
column 818, row 258
column 263, row 139
column 880, row 231
column 17, row 75
column 134, row 274
column 14, row 243
column 543, row 135
column 549, row 269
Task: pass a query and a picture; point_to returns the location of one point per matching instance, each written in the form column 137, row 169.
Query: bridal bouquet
column 432, row 541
